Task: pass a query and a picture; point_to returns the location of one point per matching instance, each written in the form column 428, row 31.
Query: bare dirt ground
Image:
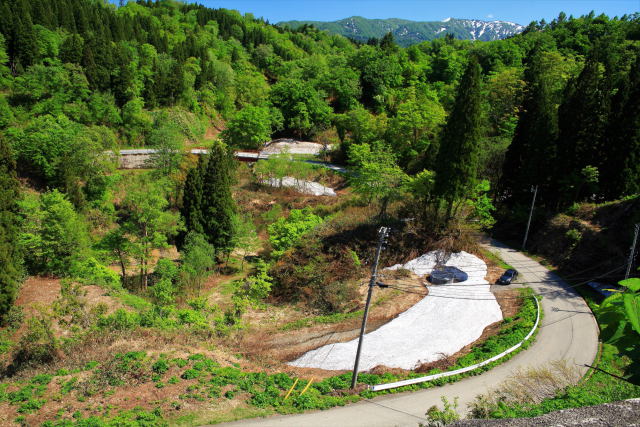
column 272, row 348
column 263, row 346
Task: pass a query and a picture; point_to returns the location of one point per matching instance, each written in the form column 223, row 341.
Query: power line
column 394, row 409
column 471, row 297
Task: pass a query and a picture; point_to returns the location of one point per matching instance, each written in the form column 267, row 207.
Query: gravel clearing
column 304, row 187
column 442, row 323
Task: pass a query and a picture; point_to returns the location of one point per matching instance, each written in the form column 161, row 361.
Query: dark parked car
column 508, row 277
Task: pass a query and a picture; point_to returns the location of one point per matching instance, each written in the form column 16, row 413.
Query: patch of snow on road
column 304, row 187
column 442, row 323
column 293, row 146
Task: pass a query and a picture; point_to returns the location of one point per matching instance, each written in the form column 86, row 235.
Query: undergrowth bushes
column 199, row 378
column 322, row 270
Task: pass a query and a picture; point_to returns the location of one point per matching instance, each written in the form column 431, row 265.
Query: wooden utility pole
column 383, row 233
column 632, row 251
column 533, row 202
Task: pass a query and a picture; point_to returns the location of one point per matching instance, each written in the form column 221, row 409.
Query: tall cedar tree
column 621, row 174
column 530, row 157
column 10, row 259
column 582, row 120
column 218, row 206
column 457, row 161
column 192, row 199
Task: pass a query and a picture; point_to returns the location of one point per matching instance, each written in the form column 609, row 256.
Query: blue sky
column 519, row 11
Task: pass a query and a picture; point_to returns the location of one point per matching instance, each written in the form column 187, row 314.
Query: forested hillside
column 442, row 137
column 408, row 32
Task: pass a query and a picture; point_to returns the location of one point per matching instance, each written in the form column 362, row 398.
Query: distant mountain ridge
column 408, row 32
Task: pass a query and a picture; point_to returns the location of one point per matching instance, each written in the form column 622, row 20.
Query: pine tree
column 530, row 157
column 23, row 48
column 10, row 258
column 218, row 206
column 457, row 160
column 621, row 173
column 192, row 198
column 582, row 120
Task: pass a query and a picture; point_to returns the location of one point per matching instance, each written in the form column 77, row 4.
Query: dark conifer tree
column 620, row 175
column 192, row 198
column 10, row 259
column 22, row 49
column 530, row 157
column 71, row 49
column 582, row 121
column 218, row 206
column 457, row 161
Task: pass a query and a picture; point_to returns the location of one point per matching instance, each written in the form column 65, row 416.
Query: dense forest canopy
column 554, row 106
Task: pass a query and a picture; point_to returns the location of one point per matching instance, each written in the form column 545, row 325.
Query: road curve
column 568, row 331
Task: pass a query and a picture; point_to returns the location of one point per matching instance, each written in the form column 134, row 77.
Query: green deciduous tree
column 415, row 125
column 168, row 142
column 198, row 258
column 285, row 232
column 303, row 108
column 376, row 175
column 52, row 234
column 252, row 127
column 63, row 154
column 148, row 224
column 118, row 246
column 246, row 238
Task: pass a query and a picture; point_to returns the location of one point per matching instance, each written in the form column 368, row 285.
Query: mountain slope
column 408, row 32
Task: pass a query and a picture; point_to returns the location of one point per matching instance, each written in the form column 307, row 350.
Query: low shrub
column 90, row 271
column 286, row 232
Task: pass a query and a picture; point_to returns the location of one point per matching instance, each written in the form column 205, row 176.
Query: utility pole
column 533, row 202
column 633, row 251
column 383, row 233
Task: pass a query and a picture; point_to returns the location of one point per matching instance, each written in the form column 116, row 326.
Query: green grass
column 132, row 300
column 496, row 259
column 204, row 380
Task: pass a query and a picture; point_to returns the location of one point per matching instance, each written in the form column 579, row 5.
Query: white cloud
column 490, row 16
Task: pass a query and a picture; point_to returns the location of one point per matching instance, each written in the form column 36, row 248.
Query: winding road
column 569, row 331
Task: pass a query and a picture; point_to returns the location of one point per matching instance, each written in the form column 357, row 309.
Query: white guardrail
column 462, row 370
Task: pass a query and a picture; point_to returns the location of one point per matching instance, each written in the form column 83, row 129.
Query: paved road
column 569, row 331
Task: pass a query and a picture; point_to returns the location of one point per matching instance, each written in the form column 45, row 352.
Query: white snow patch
column 443, row 322
column 440, row 30
column 446, row 20
column 305, row 187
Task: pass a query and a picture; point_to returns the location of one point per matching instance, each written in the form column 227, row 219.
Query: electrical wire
column 394, row 409
column 471, row 296
column 561, row 279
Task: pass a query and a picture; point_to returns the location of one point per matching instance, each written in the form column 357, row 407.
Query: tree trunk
column 449, row 210
column 122, row 267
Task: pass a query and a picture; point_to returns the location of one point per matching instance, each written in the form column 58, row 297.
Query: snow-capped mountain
column 486, row 30
column 410, row 32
